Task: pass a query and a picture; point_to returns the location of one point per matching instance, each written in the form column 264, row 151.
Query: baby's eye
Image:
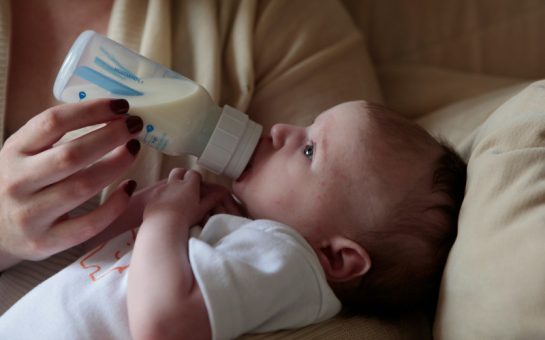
column 308, row 151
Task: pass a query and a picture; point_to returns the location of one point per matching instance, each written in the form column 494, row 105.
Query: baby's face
column 305, row 176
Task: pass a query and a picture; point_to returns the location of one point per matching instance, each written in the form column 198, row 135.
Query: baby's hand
column 179, row 201
column 228, row 205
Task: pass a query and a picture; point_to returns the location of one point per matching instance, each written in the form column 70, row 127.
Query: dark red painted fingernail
column 133, row 146
column 129, row 187
column 134, row 124
column 119, row 106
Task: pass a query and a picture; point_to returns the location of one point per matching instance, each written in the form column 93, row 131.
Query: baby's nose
column 278, row 135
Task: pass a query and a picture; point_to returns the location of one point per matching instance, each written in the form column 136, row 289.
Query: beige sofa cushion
column 458, row 123
column 494, row 282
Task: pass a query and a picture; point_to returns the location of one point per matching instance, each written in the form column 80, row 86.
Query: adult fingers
column 46, row 128
column 78, row 188
column 79, row 229
column 63, row 160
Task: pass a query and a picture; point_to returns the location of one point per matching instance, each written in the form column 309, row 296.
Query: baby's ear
column 343, row 259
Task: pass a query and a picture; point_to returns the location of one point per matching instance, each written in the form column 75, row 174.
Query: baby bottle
column 179, row 115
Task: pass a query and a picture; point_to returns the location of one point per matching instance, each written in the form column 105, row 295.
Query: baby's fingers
column 191, row 178
column 211, row 201
column 231, row 206
column 176, row 174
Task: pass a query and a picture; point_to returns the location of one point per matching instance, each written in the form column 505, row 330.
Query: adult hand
column 40, row 181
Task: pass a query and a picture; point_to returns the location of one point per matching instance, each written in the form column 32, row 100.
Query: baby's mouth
column 245, row 171
column 248, row 167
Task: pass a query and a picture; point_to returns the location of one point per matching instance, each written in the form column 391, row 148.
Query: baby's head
column 374, row 194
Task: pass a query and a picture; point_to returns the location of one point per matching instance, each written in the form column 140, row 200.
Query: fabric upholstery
column 493, row 283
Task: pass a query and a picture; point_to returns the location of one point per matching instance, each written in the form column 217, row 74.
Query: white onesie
column 255, row 276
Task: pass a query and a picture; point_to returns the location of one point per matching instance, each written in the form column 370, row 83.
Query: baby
column 359, row 209
column 375, row 196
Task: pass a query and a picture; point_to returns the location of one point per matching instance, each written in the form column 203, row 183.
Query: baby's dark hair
column 409, row 248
